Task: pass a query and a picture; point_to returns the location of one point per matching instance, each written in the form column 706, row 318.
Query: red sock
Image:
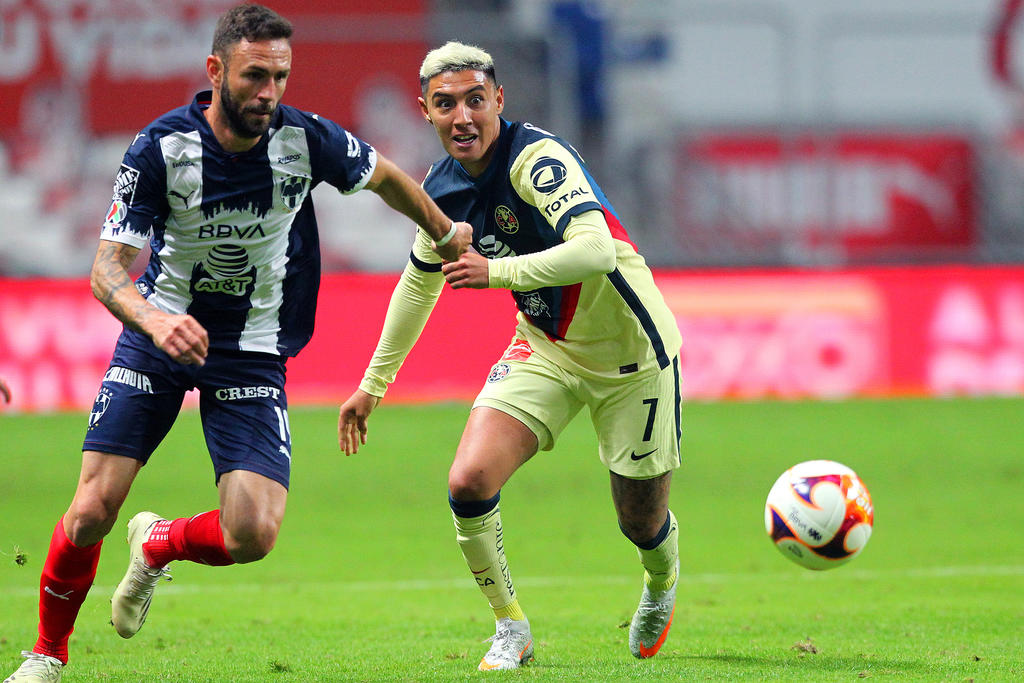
column 67, row 576
column 196, row 539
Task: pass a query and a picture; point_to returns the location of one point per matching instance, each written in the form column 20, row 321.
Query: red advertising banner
column 56, row 341
column 857, row 193
column 115, row 65
column 749, row 335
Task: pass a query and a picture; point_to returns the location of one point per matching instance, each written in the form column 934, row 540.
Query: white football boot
column 36, row 668
column 130, row 602
column 511, row 645
column 652, row 620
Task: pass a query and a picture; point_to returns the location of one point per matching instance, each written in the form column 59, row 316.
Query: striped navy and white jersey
column 233, row 237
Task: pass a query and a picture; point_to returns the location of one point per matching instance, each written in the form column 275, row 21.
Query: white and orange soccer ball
column 819, row 514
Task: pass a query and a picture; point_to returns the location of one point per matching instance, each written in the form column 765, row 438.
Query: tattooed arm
column 179, row 336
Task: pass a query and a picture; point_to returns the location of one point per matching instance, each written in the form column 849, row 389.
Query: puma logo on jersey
column 183, row 197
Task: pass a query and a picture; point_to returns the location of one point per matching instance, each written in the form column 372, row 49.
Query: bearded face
column 245, row 120
column 250, row 80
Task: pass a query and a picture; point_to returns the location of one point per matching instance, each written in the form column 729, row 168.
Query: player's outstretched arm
column 352, row 418
column 179, row 336
column 404, row 195
column 588, row 250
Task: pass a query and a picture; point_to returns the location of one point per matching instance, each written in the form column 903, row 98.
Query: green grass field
column 367, row 583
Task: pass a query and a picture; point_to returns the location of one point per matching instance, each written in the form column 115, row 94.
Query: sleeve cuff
column 374, row 386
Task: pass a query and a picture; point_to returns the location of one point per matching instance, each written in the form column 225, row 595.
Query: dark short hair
column 251, row 22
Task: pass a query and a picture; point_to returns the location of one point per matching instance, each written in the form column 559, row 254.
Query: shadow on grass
column 812, row 662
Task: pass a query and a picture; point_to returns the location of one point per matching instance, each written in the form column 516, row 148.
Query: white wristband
column 447, row 238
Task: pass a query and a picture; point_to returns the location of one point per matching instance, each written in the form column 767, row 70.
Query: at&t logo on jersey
column 225, row 271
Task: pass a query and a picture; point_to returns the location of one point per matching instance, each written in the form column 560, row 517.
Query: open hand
column 352, row 421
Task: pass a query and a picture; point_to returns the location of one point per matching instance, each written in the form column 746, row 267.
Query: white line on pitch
column 546, row 581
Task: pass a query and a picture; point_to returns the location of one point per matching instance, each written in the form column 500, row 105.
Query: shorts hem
column 545, row 442
column 641, row 475
column 269, row 474
column 114, row 449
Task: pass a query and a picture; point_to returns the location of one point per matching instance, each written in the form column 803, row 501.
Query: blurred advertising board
column 112, row 66
column 932, row 331
column 825, row 197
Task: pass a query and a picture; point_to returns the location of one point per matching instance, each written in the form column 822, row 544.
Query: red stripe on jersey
column 618, row 232
column 520, row 349
column 571, row 297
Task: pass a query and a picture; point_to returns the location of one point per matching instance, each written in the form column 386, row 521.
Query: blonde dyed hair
column 455, row 56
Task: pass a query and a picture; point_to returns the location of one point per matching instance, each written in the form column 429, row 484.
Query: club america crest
column 506, row 220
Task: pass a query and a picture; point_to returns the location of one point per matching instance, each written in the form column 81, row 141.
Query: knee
column 251, row 541
column 465, row 485
column 646, row 532
column 90, row 519
column 640, row 532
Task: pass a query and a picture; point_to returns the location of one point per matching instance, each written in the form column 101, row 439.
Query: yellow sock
column 482, row 544
column 512, row 610
column 660, row 561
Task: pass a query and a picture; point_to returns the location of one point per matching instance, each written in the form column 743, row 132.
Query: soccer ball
column 819, row 514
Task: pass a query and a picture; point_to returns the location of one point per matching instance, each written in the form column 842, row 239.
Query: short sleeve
column 345, row 161
column 139, row 201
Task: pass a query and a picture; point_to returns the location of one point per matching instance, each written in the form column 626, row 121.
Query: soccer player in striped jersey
column 220, row 191
column 592, row 330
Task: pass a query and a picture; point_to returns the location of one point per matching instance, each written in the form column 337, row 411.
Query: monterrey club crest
column 506, row 220
column 99, row 406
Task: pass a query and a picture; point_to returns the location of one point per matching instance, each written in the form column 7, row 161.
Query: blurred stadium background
column 832, row 193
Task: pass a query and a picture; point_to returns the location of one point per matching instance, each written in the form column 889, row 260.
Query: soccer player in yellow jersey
column 592, row 330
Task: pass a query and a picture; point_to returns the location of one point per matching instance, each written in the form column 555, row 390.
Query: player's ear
column 424, row 110
column 499, row 99
column 215, row 70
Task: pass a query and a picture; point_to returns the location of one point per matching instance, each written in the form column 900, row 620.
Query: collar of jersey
column 202, row 102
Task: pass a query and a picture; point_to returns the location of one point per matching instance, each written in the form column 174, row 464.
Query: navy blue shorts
column 242, row 404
